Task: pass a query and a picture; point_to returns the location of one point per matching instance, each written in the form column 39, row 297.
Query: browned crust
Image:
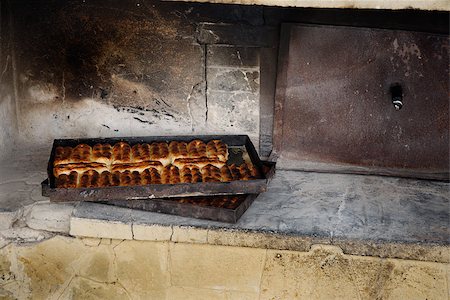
column 67, row 180
column 190, row 174
column 150, row 176
column 121, row 153
column 199, row 162
column 89, row 179
column 141, row 152
column 159, row 151
column 62, row 155
column 81, row 154
column 79, row 168
column 178, row 150
column 115, row 178
column 140, row 166
column 196, row 149
column 211, row 173
column 225, row 174
column 105, row 179
column 217, row 149
column 102, row 153
column 170, row 175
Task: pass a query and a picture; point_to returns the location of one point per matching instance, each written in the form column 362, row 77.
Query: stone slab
column 364, row 215
column 50, row 217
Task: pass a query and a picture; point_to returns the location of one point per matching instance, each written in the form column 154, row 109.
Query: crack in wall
column 205, row 52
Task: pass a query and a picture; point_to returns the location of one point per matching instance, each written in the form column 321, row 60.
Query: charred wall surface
column 101, row 68
column 110, row 68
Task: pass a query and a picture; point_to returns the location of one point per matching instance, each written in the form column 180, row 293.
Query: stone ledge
column 363, row 215
column 362, row 4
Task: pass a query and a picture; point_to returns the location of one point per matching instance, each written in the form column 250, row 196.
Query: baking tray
column 152, row 191
column 217, row 208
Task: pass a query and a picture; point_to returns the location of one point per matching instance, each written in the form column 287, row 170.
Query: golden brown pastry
column 125, row 178
column 105, row 179
column 199, row 162
column 140, row 153
column 67, row 181
column 190, row 174
column 211, row 173
column 115, row 178
column 135, row 178
column 102, row 153
column 178, row 150
column 217, row 149
column 89, row 179
column 62, row 155
column 150, row 176
column 159, row 151
column 196, row 149
column 170, row 174
column 235, row 173
column 247, row 172
column 225, row 174
column 81, row 154
column 79, row 168
column 121, row 153
column 140, row 166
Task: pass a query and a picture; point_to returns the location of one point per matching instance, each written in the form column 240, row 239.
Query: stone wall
column 108, row 68
column 8, row 118
column 85, row 268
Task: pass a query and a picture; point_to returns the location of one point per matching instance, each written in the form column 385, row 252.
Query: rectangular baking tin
column 153, row 191
column 191, row 210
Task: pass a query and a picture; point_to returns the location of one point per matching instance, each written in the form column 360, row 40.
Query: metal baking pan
column 239, row 145
column 226, row 209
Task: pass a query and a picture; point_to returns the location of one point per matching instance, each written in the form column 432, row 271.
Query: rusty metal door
column 362, row 100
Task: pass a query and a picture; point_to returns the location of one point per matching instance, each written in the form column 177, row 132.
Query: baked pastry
column 170, row 174
column 89, row 179
column 81, row 154
column 125, row 178
column 159, row 162
column 140, row 166
column 150, row 176
column 102, row 153
column 196, row 149
column 79, row 168
column 217, row 149
column 235, row 172
column 199, row 162
column 67, row 180
column 225, row 174
column 140, row 153
column 211, row 173
column 178, row 150
column 62, row 155
column 159, row 151
column 115, row 178
column 121, row 153
column 247, row 172
column 190, row 174
column 105, row 179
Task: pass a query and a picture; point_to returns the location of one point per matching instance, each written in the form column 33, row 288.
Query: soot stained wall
column 110, row 68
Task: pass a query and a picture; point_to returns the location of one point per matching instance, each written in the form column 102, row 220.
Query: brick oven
column 348, row 98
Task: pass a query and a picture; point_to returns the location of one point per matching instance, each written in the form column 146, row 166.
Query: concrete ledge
column 374, row 4
column 100, row 229
column 362, row 215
